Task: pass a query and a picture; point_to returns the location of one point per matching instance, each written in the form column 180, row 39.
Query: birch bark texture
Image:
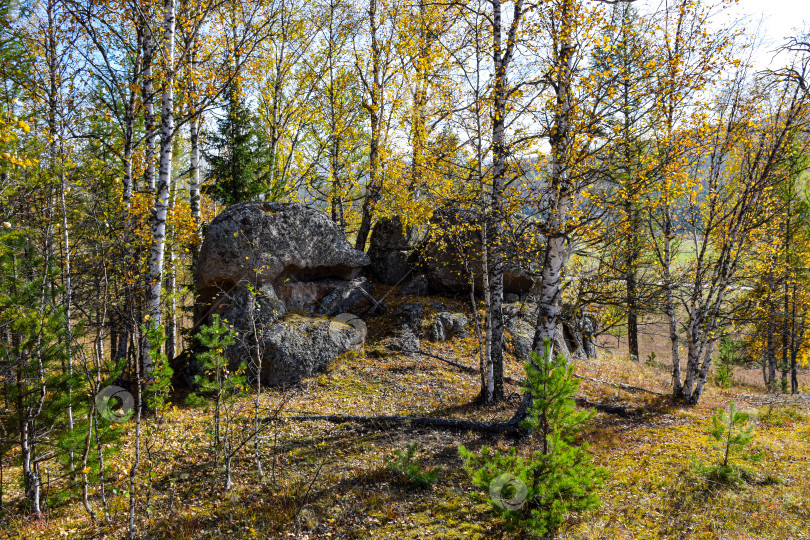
column 161, row 207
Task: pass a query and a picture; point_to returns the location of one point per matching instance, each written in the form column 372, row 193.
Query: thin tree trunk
column 669, row 303
column 133, row 471
column 336, row 200
column 194, row 141
column 631, row 297
column 501, row 58
column 556, row 253
column 373, row 188
column 171, row 285
column 418, row 115
column 56, row 156
column 770, row 354
column 785, row 338
column 786, row 301
column 258, row 356
column 488, row 373
column 148, row 96
column 101, row 316
column 87, row 444
column 487, row 369
column 692, row 360
column 703, row 374
column 795, row 343
column 155, row 278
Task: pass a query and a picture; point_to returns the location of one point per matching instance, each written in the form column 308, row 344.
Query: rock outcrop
column 574, row 336
column 414, row 322
column 446, row 325
column 277, row 273
column 297, row 250
column 297, row 346
column 443, row 256
column 391, row 250
column 454, row 249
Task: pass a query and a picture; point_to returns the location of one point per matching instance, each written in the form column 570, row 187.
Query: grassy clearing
column 333, row 481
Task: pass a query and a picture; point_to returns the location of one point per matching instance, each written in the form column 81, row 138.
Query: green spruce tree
column 223, row 386
column 536, row 494
column 239, row 162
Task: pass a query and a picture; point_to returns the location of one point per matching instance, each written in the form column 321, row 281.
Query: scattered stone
column 411, row 316
column 437, row 331
column 408, row 342
column 447, row 325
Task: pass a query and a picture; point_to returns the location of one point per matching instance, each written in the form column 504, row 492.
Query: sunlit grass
column 324, row 480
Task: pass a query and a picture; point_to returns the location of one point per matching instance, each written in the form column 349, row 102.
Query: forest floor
column 324, row 480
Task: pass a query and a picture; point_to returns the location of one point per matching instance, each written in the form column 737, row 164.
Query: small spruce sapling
column 224, row 386
column 733, row 431
column 724, row 376
column 407, row 466
column 537, row 494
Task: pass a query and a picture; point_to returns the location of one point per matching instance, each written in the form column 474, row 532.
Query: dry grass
column 330, row 481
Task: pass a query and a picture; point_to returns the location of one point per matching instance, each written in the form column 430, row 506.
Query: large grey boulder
column 453, row 250
column 298, row 250
column 279, row 274
column 390, row 250
column 299, row 345
column 251, row 307
column 282, row 346
column 344, row 297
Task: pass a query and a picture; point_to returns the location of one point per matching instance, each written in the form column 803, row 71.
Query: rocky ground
column 414, row 354
column 325, row 480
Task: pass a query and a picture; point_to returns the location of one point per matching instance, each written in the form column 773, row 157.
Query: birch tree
column 745, row 153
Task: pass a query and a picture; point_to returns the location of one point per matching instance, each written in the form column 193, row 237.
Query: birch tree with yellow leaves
column 745, row 151
column 687, row 57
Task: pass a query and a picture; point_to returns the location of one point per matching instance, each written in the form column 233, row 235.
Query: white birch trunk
column 155, row 278
column 148, row 96
column 557, row 252
column 194, row 136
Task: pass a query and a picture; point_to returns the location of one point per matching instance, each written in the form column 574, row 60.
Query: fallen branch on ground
column 446, row 423
column 620, row 385
column 414, row 421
